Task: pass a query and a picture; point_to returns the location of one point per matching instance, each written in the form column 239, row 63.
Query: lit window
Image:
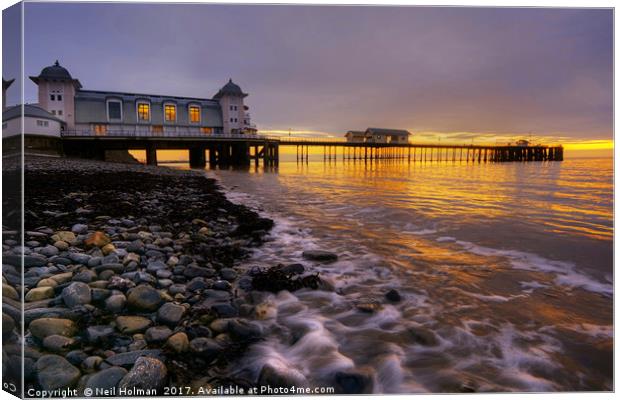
column 170, row 112
column 114, row 110
column 100, row 129
column 144, row 112
column 206, row 130
column 194, row 114
column 52, row 97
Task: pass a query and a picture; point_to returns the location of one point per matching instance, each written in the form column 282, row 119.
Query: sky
column 451, row 74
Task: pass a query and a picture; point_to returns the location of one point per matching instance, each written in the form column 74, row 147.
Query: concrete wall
column 13, row 127
column 66, row 105
column 236, row 115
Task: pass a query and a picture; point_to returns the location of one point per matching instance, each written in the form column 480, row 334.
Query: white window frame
column 176, row 112
column 189, row 116
column 107, row 109
column 144, row 121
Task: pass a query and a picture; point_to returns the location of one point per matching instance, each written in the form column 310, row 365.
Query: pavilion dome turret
column 55, row 72
column 230, row 89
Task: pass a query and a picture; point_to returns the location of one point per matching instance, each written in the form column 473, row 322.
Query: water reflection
column 507, row 265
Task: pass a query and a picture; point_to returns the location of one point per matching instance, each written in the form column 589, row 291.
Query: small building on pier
column 379, row 135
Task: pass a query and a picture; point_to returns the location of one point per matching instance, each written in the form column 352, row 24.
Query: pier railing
column 164, row 134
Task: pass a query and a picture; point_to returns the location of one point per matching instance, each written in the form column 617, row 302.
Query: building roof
column 356, row 133
column 55, row 72
column 30, row 110
column 230, row 89
column 100, row 94
column 392, row 132
column 6, row 83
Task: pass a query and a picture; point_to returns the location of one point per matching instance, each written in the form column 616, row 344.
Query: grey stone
column 221, row 285
column 79, row 228
column 48, row 251
column 58, row 343
column 76, row 294
column 147, row 373
column 193, row 271
column 97, row 333
column 106, row 379
column 206, row 347
column 170, row 313
column 157, row 334
column 44, row 327
column 357, row 381
column 228, row 274
column 393, row 295
column 128, row 359
column 115, row 303
column 241, row 329
column 319, row 255
column 132, row 324
column 144, row 298
column 54, row 372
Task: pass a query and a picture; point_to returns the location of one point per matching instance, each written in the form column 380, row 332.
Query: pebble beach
column 131, row 280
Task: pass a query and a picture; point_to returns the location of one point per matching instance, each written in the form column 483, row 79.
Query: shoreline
column 129, row 268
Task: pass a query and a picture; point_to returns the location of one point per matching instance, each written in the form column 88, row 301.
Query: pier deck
column 243, row 149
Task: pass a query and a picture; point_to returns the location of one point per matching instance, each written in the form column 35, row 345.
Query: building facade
column 379, row 135
column 106, row 113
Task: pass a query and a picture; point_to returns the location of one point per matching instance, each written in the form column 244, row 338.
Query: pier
column 239, row 150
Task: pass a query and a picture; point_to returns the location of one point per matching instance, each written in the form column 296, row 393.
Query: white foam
column 565, row 272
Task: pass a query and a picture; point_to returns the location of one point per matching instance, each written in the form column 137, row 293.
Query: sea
column 505, row 273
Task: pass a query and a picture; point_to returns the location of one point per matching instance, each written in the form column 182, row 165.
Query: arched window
column 194, row 113
column 143, row 111
column 114, row 108
column 170, row 112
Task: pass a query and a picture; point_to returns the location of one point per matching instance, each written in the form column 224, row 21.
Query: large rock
column 170, row 313
column 99, row 333
column 393, row 295
column 79, row 228
column 63, row 236
column 144, row 298
column 54, row 372
column 8, row 324
column 147, row 373
column 244, row 330
column 423, row 336
column 57, row 343
column 157, row 334
column 319, row 255
column 132, row 324
column 115, row 303
column 76, row 294
column 9, row 291
column 39, row 293
column 178, row 342
column 276, row 374
column 43, row 327
column 193, row 271
column 106, row 379
column 128, row 359
column 205, row 347
column 357, row 381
